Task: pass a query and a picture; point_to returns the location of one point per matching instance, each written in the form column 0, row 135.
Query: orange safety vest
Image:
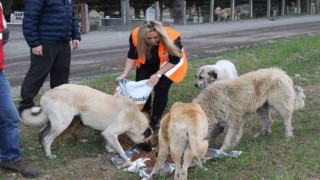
column 179, row 71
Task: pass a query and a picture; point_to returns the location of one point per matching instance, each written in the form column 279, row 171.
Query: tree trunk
column 178, row 12
column 125, row 11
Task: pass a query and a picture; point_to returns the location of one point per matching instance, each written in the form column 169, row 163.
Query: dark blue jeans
column 9, row 124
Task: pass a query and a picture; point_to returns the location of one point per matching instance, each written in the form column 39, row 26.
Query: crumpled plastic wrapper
column 167, row 169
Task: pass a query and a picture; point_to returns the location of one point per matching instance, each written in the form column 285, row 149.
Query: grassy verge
column 270, row 157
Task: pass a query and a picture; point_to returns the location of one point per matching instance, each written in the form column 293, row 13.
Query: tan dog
column 208, row 74
column 226, row 102
column 77, row 126
column 111, row 115
column 182, row 131
column 223, row 14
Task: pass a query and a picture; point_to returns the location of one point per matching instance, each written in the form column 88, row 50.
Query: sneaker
column 26, row 170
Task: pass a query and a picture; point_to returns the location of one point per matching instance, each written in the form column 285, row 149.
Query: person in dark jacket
column 10, row 152
column 48, row 28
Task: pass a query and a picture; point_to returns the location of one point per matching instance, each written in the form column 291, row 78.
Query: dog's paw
column 52, row 156
column 288, row 138
column 109, row 149
column 263, row 133
column 126, row 164
column 256, row 136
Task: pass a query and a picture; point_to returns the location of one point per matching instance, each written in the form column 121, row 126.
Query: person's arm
column 173, row 60
column 154, row 79
column 32, row 13
column 130, row 64
column 76, row 37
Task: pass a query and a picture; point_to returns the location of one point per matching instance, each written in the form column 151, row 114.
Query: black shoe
column 154, row 124
column 155, row 128
column 26, row 170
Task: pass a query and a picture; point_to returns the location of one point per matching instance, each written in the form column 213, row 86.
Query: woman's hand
column 153, row 80
column 122, row 76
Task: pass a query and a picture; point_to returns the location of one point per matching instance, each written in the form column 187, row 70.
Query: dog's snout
column 196, row 85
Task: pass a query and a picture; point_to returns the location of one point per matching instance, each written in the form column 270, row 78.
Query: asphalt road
column 105, row 52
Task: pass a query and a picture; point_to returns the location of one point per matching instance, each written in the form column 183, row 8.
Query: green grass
column 270, row 157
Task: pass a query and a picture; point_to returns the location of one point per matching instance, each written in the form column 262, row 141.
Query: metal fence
column 198, row 12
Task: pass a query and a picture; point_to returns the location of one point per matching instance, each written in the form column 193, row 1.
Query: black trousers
column 56, row 61
column 161, row 90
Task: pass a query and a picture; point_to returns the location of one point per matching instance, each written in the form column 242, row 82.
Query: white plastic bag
column 139, row 91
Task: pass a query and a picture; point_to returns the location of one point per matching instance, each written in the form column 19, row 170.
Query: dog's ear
column 213, row 74
column 199, row 70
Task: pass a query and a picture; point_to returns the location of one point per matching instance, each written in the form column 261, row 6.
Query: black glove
column 5, row 35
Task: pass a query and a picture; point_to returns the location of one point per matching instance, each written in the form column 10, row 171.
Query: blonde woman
column 157, row 54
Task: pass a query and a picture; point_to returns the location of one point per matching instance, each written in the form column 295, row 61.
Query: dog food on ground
column 152, row 155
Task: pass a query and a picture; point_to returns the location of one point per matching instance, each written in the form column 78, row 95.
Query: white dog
column 222, row 70
column 227, row 102
column 111, row 115
column 182, row 133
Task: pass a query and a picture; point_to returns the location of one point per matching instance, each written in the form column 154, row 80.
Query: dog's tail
column 34, row 116
column 199, row 147
column 299, row 101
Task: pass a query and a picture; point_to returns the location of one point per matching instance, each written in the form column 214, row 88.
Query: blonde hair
column 143, row 42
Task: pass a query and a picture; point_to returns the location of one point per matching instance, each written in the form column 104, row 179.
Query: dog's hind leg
column 266, row 120
column 43, row 132
column 284, row 106
column 187, row 158
column 176, row 154
column 285, row 111
column 56, row 129
column 161, row 158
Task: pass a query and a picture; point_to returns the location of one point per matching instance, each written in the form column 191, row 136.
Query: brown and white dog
column 182, row 132
column 111, row 115
column 208, row 74
column 227, row 102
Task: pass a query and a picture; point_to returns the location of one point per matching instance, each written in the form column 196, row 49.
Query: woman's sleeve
column 132, row 53
column 176, row 59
